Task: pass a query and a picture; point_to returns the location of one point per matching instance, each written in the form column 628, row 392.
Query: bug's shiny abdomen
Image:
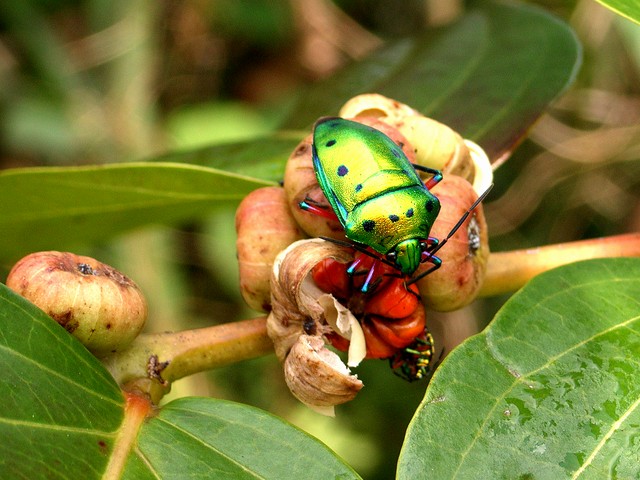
column 357, row 163
column 388, row 219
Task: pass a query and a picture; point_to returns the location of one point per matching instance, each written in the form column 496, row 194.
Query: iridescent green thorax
column 408, row 255
column 373, row 189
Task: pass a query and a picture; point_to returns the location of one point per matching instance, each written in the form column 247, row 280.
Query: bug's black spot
column 368, row 225
column 394, row 218
column 342, row 170
column 410, row 213
column 358, row 187
column 335, row 123
column 429, row 205
column 396, row 153
column 330, row 143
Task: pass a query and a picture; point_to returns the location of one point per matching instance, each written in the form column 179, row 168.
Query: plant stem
column 142, row 365
column 508, row 271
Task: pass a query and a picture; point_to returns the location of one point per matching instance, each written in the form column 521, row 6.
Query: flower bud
column 433, row 144
column 464, row 257
column 97, row 304
column 265, row 227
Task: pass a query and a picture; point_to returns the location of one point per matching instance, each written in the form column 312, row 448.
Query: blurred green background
column 97, row 81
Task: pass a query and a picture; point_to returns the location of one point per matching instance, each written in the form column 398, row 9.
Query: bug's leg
column 366, row 284
column 352, row 268
column 428, row 256
column 434, row 180
column 432, row 250
column 429, row 245
column 436, row 264
column 431, row 242
column 317, row 209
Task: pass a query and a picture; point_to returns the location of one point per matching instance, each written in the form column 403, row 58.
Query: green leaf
column 205, row 438
column 489, row 76
column 263, row 157
column 60, row 408
column 627, row 8
column 549, row 390
column 58, row 208
column 62, row 412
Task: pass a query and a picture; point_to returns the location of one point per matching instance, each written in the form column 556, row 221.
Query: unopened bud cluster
column 305, row 286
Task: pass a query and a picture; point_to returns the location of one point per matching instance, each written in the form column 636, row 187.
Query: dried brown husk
column 297, row 324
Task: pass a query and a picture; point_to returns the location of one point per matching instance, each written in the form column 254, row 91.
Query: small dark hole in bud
column 85, row 269
column 473, row 233
column 309, row 327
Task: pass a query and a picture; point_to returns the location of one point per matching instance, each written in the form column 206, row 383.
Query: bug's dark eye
column 392, row 256
column 423, row 246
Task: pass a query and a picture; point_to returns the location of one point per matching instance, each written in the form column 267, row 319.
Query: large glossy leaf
column 550, row 390
column 58, row 208
column 490, row 75
column 206, row 438
column 627, row 8
column 263, row 157
column 60, row 409
column 62, row 412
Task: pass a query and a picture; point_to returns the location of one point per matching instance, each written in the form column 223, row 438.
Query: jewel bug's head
column 406, row 255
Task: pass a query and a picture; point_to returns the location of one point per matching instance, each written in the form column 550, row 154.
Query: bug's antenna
column 359, row 248
column 455, row 228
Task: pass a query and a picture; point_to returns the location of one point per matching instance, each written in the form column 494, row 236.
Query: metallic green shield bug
column 374, row 190
column 376, row 194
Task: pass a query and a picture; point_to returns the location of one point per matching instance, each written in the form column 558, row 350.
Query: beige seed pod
column 483, row 170
column 94, row 302
column 377, row 106
column 435, row 145
column 317, row 377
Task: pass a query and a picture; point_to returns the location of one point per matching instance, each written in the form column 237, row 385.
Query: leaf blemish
column 514, row 373
column 438, row 399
